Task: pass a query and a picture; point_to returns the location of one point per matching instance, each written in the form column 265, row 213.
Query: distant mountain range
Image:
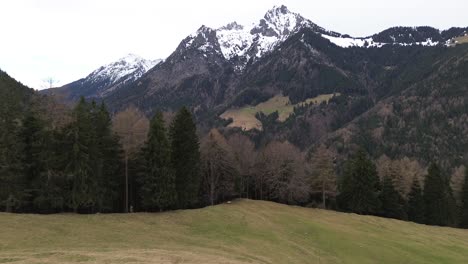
column 403, row 92
column 107, row 79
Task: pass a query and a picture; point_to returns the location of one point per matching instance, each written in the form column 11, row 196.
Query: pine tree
column 416, row 203
column 158, row 181
column 439, row 203
column 393, row 204
column 464, row 208
column 360, row 186
column 185, row 157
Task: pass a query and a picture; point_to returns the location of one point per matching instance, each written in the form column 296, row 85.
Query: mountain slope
column 14, row 96
column 242, row 232
column 107, row 78
column 427, row 119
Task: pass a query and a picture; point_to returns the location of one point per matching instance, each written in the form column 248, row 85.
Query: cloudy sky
column 67, row 39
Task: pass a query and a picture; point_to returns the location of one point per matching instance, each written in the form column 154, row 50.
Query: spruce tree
column 393, row 204
column 416, row 203
column 106, row 161
column 80, row 164
column 360, row 186
column 439, row 204
column 11, row 157
column 33, row 139
column 185, row 157
column 158, row 181
column 464, row 208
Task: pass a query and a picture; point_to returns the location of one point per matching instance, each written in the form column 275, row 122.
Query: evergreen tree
column 464, row 208
column 393, row 204
column 416, row 203
column 158, row 181
column 439, row 203
column 11, row 156
column 185, row 157
column 79, row 167
column 107, row 161
column 35, row 154
column 360, row 186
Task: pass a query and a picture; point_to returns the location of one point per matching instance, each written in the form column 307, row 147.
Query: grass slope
column 242, row 232
column 244, row 117
column 461, row 40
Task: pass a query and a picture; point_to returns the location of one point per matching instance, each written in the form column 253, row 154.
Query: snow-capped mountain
column 209, row 64
column 243, row 44
column 249, row 43
column 126, row 69
column 107, row 78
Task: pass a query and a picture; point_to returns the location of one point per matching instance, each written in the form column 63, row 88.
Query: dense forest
column 54, row 159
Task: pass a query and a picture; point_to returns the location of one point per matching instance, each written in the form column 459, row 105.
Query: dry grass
column 461, row 40
column 244, row 117
column 242, row 232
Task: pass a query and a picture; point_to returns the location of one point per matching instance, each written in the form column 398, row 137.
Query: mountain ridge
column 107, row 78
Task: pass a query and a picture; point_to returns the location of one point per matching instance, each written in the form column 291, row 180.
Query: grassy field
column 244, row 117
column 461, row 40
column 242, row 232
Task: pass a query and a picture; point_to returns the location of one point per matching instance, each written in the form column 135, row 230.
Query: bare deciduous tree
column 457, row 180
column 217, row 167
column 132, row 127
column 321, row 174
column 402, row 171
column 283, row 173
column 49, row 83
column 244, row 154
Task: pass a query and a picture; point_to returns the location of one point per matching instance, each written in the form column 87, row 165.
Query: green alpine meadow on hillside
column 245, row 231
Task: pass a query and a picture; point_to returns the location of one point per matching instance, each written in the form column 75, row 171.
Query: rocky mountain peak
column 279, row 22
column 232, row 26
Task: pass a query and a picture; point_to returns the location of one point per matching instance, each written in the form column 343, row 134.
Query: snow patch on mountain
column 347, row 42
column 234, row 40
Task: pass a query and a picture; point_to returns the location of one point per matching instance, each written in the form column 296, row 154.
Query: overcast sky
column 67, row 39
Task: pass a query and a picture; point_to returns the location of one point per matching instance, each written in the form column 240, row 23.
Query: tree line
column 97, row 163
